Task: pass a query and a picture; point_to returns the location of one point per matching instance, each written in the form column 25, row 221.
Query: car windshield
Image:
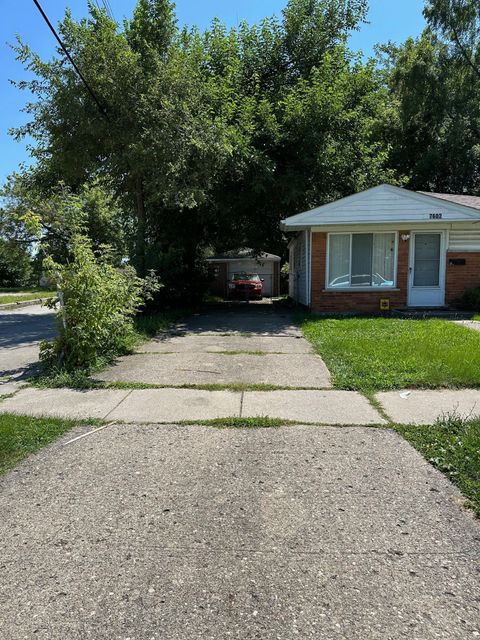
column 253, row 277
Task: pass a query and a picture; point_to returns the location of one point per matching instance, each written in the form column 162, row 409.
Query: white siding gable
column 383, row 205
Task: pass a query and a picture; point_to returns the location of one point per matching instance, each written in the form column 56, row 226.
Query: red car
column 248, row 286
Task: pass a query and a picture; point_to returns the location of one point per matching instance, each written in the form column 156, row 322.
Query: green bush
column 97, row 305
column 471, row 299
column 15, row 265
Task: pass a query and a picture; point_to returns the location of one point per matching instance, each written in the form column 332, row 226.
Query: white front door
column 427, row 269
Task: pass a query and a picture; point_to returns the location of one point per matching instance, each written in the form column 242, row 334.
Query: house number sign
column 436, row 216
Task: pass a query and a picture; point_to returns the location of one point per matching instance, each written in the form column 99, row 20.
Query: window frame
column 363, row 287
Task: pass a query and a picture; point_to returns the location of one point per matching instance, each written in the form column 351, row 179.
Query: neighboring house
column 224, row 265
column 384, row 248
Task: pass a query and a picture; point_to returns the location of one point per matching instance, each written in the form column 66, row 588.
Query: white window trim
column 362, row 288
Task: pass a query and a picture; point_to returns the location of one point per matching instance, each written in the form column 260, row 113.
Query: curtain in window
column 339, row 261
column 362, row 248
column 383, row 267
column 362, row 260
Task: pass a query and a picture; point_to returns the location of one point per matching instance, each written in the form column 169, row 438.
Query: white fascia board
column 403, row 225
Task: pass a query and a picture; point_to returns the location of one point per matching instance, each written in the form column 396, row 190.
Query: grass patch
column 476, row 317
column 452, row 445
column 22, row 435
column 6, row 298
column 373, row 354
column 239, row 353
column 241, row 423
column 81, row 380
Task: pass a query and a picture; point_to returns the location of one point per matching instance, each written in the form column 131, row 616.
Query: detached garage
column 223, row 266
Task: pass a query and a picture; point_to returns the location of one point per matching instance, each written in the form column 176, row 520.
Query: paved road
column 194, row 533
column 21, row 331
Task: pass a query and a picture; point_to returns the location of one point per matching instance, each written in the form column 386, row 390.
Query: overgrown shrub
column 471, row 299
column 97, row 304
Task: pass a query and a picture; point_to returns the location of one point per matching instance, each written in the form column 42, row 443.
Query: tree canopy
column 205, row 140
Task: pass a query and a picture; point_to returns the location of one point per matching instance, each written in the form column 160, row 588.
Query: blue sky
column 388, row 20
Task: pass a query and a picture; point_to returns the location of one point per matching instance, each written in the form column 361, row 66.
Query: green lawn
column 453, row 446
column 372, row 354
column 6, row 297
column 21, row 435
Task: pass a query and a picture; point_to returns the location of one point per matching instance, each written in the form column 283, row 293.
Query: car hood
column 254, row 282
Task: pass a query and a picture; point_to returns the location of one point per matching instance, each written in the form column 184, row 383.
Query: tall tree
column 209, row 139
column 458, row 22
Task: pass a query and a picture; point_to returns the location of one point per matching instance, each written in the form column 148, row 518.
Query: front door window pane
column 427, row 260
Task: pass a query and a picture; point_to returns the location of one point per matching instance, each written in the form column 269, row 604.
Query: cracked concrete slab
column 256, row 321
column 176, row 405
column 287, row 370
column 325, row 407
column 181, row 533
column 220, row 343
column 64, row 403
column 425, row 406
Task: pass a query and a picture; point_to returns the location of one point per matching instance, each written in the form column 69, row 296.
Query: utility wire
column 100, row 106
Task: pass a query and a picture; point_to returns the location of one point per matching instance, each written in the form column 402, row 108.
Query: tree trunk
column 141, row 227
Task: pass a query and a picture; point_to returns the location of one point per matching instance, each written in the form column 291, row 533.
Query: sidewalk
column 177, row 405
column 170, row 405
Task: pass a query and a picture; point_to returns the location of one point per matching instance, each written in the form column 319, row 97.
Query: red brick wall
column 461, row 277
column 369, row 301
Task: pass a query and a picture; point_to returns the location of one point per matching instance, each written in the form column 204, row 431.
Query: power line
column 71, row 60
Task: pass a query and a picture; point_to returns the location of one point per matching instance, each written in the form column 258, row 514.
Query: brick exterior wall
column 461, row 277
column 369, row 301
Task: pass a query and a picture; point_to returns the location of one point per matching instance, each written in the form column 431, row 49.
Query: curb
column 24, row 303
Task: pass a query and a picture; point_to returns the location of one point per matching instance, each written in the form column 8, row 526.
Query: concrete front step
column 176, row 405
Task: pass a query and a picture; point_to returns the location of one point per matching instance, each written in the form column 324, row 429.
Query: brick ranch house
column 385, row 248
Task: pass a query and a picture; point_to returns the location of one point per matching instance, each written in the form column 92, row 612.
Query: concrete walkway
column 420, row 406
column 177, row 405
column 243, row 345
column 191, row 533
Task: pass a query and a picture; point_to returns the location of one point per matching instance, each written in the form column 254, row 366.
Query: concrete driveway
column 249, row 344
column 21, row 331
column 182, row 533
